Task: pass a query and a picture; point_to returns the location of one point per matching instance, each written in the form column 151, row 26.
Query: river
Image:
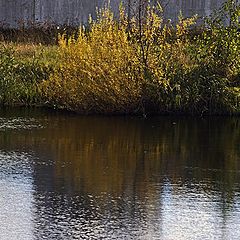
column 64, row 176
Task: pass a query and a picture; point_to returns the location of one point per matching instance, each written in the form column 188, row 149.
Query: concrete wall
column 191, row 7
column 15, row 12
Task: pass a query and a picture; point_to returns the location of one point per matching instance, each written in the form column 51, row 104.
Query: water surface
column 64, row 176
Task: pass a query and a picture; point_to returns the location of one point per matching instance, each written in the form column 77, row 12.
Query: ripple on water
column 16, row 196
column 81, row 180
column 15, row 165
column 19, row 123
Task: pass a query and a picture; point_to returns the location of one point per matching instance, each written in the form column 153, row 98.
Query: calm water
column 66, row 177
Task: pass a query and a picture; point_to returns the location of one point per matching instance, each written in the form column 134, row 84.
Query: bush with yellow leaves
column 99, row 72
column 138, row 65
column 114, row 68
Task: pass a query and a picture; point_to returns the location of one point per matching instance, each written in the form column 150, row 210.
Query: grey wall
column 15, row 12
column 191, row 7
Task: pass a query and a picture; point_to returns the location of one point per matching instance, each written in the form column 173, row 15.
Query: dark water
column 64, row 176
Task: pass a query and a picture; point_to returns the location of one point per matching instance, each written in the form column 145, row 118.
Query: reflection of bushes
column 118, row 151
column 141, row 65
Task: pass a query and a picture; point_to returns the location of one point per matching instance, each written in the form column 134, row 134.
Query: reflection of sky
column 16, row 197
column 191, row 213
column 169, row 211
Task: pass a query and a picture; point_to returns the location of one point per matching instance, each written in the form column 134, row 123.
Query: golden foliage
column 99, row 71
column 137, row 65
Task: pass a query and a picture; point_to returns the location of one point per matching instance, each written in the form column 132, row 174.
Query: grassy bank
column 140, row 65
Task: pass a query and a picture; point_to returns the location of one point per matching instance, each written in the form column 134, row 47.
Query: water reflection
column 16, row 196
column 127, row 178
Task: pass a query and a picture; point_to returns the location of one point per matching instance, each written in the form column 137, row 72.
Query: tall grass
column 21, row 73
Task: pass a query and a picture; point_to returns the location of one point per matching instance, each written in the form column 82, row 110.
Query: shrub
column 99, row 71
column 112, row 68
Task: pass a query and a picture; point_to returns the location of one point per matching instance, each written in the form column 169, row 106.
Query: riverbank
column 130, row 66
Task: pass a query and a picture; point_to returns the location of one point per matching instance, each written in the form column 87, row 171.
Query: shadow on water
column 119, row 177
